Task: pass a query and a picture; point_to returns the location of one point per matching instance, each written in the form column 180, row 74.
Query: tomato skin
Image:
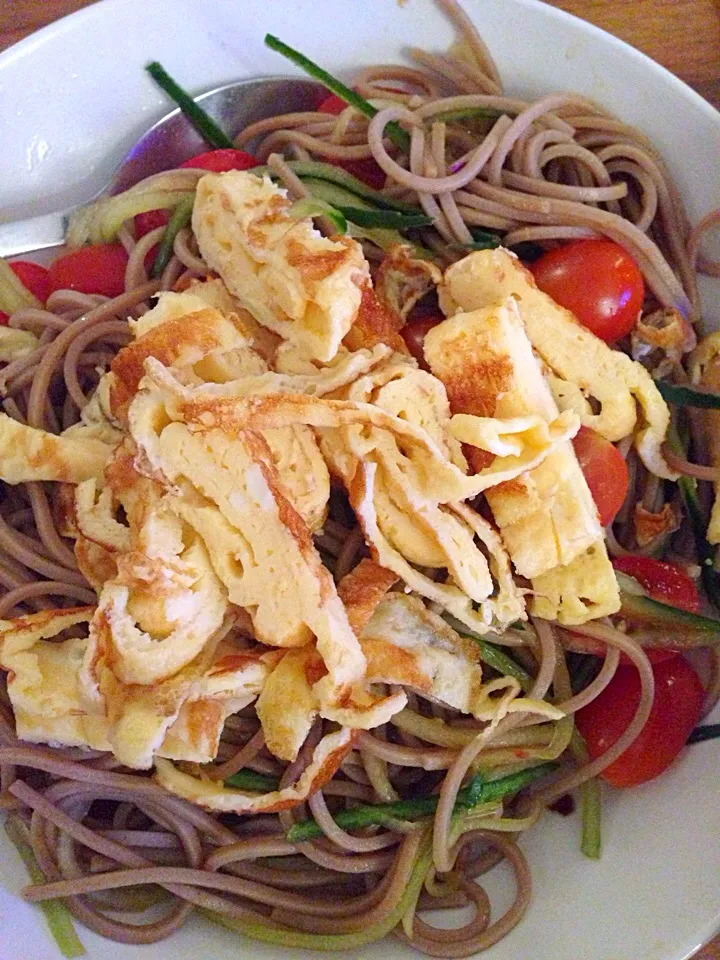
column 413, row 334
column 366, row 170
column 145, row 222
column 598, row 281
column 92, row 269
column 676, row 709
column 34, row 277
column 220, row 161
column 4, row 318
column 663, row 581
column 215, row 161
column 332, row 104
column 605, row 471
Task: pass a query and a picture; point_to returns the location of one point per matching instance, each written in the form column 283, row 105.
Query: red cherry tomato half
column 95, row 269
column 605, row 471
column 4, row 317
column 145, row 222
column 676, row 709
column 598, row 281
column 219, row 161
column 34, row 277
column 366, row 170
column 413, row 334
column 335, row 104
column 654, row 655
column 663, row 581
column 332, row 104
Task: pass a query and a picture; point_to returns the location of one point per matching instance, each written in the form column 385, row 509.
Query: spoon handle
column 37, row 233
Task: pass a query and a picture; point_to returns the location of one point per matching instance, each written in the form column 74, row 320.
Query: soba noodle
column 555, row 169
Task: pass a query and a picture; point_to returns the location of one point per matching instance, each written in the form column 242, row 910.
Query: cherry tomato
column 98, row 269
column 663, row 581
column 145, row 222
column 413, row 334
column 676, row 709
column 219, row 161
column 605, row 471
column 332, row 104
column 34, row 277
column 598, row 281
column 4, row 317
column 366, row 170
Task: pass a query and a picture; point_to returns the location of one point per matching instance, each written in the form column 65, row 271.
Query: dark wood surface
column 682, row 35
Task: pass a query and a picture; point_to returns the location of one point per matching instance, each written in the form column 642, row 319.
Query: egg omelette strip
column 585, row 588
column 547, row 517
column 629, row 401
column 215, row 434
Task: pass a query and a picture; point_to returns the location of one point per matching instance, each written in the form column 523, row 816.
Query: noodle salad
column 360, row 505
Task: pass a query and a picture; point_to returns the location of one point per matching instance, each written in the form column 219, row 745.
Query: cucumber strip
column 685, row 395
column 337, row 195
column 315, row 207
column 485, row 236
column 478, row 791
column 363, row 213
column 492, row 655
column 180, row 218
column 57, row 915
column 393, row 130
column 693, row 630
column 14, row 295
column 481, row 240
column 343, row 200
column 477, row 245
column 201, row 121
column 332, row 174
column 250, row 780
column 340, row 943
column 385, row 219
column 590, row 802
column 706, row 552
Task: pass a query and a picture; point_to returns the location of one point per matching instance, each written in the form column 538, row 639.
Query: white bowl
column 74, row 97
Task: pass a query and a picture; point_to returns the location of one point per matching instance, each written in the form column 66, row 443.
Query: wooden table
column 683, row 35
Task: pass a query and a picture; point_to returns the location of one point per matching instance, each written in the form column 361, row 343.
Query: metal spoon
column 167, row 144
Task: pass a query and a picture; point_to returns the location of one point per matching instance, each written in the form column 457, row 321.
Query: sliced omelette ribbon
column 300, row 285
column 430, row 470
column 629, row 400
column 213, row 795
column 28, row 454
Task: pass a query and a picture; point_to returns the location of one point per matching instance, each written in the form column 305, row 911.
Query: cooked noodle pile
column 132, row 861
